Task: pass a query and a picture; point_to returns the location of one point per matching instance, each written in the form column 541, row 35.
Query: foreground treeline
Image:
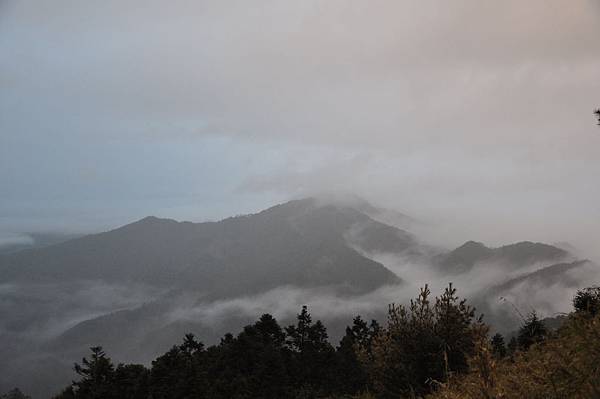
column 433, row 346
column 548, row 365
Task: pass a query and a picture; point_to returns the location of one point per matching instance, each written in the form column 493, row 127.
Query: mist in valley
column 189, row 167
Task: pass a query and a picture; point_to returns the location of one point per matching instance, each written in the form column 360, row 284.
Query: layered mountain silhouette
column 465, row 257
column 138, row 288
column 299, row 243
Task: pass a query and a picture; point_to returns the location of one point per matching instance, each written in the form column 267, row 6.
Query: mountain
column 129, row 289
column 465, row 257
column 138, row 288
column 546, row 277
column 299, row 243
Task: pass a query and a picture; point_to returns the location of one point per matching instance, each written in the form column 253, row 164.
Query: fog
column 474, row 116
column 467, row 119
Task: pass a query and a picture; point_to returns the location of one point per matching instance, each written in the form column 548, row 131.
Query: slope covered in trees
column 137, row 289
column 544, row 364
column 434, row 348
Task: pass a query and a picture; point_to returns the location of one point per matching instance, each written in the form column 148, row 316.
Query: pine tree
column 298, row 334
column 96, row 373
column 422, row 345
column 512, row 346
column 587, row 301
column 533, row 331
column 178, row 374
column 313, row 357
column 350, row 373
column 498, row 346
column 253, row 364
column 453, row 325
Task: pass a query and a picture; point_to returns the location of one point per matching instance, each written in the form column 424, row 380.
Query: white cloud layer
column 475, row 114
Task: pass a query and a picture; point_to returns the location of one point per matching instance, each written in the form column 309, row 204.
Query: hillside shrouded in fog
column 136, row 289
column 339, row 154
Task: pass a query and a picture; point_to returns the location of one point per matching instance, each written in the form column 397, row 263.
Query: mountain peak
column 470, row 245
column 152, row 220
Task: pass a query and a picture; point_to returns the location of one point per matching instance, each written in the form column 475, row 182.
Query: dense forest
column 433, row 347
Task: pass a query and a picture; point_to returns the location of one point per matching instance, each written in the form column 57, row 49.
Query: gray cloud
column 10, row 239
column 476, row 115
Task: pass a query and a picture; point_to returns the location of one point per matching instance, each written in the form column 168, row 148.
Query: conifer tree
column 423, row 345
column 350, row 373
column 498, row 346
column 533, row 331
column 512, row 346
column 96, row 375
column 587, row 301
column 313, row 357
column 178, row 373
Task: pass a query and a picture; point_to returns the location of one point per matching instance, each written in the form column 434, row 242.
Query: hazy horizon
column 474, row 116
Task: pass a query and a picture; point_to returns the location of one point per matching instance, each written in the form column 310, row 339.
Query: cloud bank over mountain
column 438, row 109
column 138, row 288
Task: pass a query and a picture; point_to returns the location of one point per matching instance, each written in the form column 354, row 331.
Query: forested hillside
column 434, row 347
column 137, row 289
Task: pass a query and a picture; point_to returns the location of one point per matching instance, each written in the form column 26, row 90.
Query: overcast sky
column 476, row 114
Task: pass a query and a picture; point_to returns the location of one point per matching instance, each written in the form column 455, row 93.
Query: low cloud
column 10, row 239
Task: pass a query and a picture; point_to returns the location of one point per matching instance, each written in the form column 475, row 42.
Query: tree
column 253, row 364
column 588, row 301
column 131, row 381
column 96, row 376
column 498, row 346
column 422, row 344
column 454, row 320
column 178, row 374
column 597, row 112
column 313, row 357
column 100, row 379
column 512, row 346
column 531, row 332
column 350, row 373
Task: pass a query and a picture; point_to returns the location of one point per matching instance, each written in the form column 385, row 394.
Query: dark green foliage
column 101, row 380
column 352, row 376
column 263, row 361
column 498, row 347
column 423, row 344
column 588, row 301
column 96, row 374
column 253, row 364
column 178, row 373
column 512, row 346
column 597, row 112
column 312, row 355
column 533, row 331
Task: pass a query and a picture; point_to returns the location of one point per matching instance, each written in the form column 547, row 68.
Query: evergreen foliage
column 430, row 347
column 587, row 300
column 498, row 347
column 531, row 332
column 565, row 365
column 422, row 345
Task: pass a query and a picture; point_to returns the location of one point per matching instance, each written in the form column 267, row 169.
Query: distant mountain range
column 298, row 243
column 515, row 256
column 140, row 287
